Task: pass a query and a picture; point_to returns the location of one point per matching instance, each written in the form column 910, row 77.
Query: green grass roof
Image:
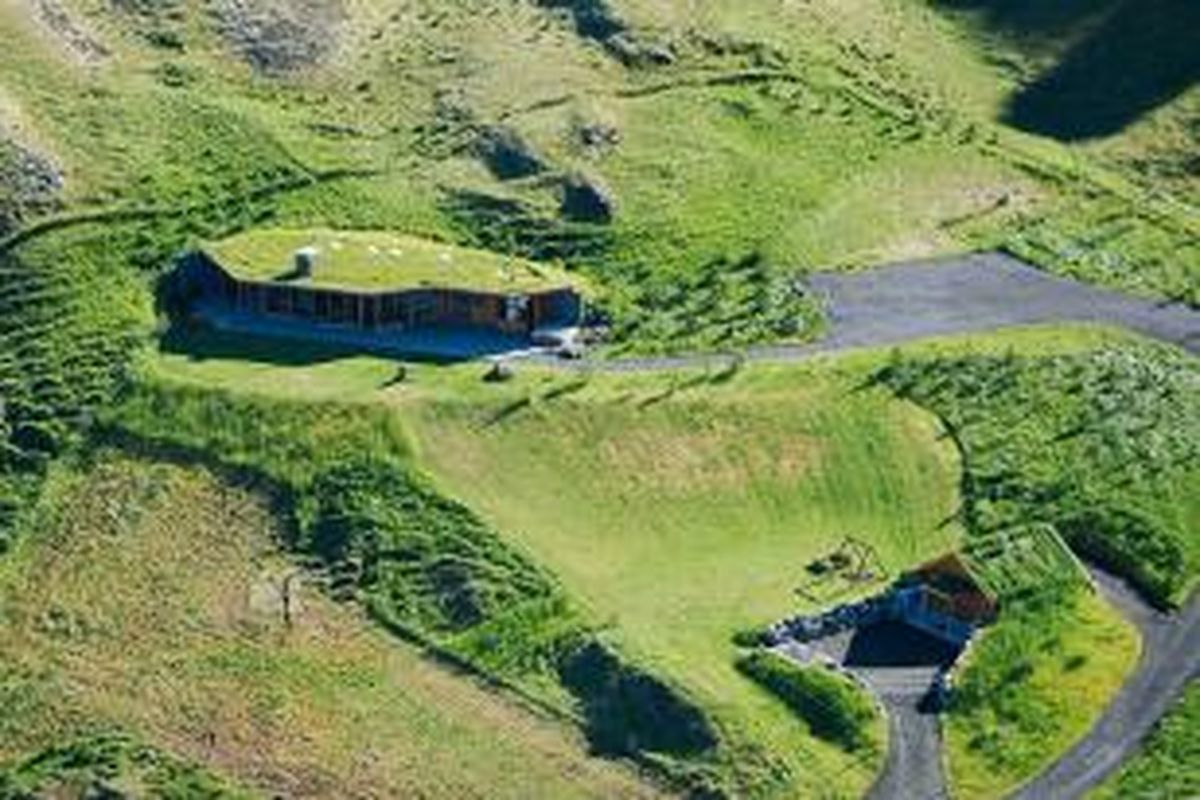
column 379, row 261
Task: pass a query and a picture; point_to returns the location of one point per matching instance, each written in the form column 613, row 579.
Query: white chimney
column 306, row 260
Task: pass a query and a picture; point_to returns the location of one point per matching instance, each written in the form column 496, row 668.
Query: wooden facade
column 402, row 309
column 952, row 589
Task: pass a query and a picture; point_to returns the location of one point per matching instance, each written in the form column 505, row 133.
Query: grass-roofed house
column 378, row 282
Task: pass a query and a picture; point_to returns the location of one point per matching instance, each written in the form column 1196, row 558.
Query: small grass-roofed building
column 379, row 281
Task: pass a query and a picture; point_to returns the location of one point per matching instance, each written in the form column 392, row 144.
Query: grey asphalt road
column 980, row 292
column 913, row 770
column 1170, row 659
column 898, row 303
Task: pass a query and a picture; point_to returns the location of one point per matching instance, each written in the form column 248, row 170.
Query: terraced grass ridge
column 376, row 261
column 587, row 547
column 152, row 602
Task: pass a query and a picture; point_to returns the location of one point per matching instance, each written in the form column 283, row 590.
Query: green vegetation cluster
column 428, row 568
column 1103, row 445
column 111, row 766
column 1168, row 767
column 832, row 708
column 1031, row 685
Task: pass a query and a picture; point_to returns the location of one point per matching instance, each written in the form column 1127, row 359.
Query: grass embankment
column 1168, row 766
column 681, row 509
column 426, row 567
column 1105, row 445
column 1031, row 687
column 148, row 598
column 1102, row 445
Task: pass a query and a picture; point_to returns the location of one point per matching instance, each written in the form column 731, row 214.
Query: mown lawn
column 147, row 598
column 683, row 509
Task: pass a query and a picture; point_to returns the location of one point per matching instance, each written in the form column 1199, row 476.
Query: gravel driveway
column 980, row 292
column 904, row 302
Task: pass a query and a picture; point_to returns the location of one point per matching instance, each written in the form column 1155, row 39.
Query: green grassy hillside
column 682, row 510
column 691, row 160
column 148, row 598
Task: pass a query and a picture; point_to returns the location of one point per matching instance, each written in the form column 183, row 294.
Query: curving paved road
column 913, row 770
column 1170, row 659
column 903, row 302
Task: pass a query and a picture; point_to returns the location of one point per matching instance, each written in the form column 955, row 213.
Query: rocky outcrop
column 277, row 37
column 29, row 185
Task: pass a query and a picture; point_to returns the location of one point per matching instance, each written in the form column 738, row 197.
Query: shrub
column 630, row 711
column 430, row 560
column 1101, row 444
column 106, row 765
column 831, row 706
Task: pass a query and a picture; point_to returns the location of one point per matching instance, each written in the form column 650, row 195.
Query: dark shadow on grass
column 201, row 344
column 1127, row 58
column 508, row 411
column 629, row 712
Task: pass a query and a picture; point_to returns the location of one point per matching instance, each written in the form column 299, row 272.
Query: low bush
column 430, row 560
column 833, row 708
column 1104, row 445
column 110, row 766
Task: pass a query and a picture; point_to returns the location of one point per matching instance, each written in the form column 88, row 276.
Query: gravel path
column 914, row 300
column 1170, row 658
column 914, row 763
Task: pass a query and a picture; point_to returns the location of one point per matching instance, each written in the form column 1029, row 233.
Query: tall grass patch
column 831, row 706
column 1102, row 444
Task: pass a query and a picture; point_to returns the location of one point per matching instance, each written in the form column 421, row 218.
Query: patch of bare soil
column 29, row 185
column 277, row 37
column 79, row 42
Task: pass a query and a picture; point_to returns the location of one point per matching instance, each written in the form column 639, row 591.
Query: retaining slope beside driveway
column 1170, row 658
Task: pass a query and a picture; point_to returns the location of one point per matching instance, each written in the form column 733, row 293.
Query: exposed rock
column 597, row 138
column 79, row 40
column 586, row 199
column 281, row 36
column 506, row 154
column 29, row 185
column 598, row 21
column 633, row 51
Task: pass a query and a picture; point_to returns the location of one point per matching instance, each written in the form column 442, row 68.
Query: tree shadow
column 1125, row 59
